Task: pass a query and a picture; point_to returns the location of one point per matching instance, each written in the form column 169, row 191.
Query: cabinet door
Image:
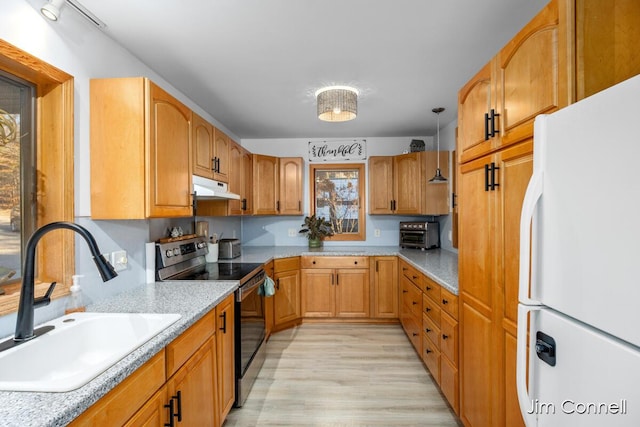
column 318, row 293
column 169, row 175
column 475, row 99
column 516, row 167
column 202, row 145
column 235, row 177
column 607, row 39
column 191, row 390
column 221, row 155
column 265, row 184
column 153, row 413
column 533, row 74
column 407, row 177
column 225, row 356
column 287, row 298
column 380, row 185
column 290, row 200
column 384, row 303
column 477, row 293
column 352, row 292
column 246, row 196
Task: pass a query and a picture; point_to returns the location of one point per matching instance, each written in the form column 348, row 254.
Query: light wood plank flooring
column 343, row 375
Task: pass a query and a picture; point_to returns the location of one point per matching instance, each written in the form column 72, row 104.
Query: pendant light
column 438, row 178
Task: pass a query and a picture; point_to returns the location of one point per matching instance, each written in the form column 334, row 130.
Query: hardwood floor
column 343, row 375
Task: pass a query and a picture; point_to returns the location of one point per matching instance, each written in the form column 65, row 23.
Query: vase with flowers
column 316, row 228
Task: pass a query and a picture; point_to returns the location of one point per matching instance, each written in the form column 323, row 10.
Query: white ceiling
column 254, row 65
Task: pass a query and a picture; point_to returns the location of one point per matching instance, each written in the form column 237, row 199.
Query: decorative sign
column 331, row 151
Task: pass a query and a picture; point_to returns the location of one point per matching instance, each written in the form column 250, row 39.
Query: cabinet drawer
column 181, row 349
column 431, row 358
column 431, row 289
column 449, row 303
column 431, row 309
column 411, row 273
column 335, row 262
column 431, row 330
column 449, row 383
column 412, row 328
column 286, row 264
column 449, row 338
column 412, row 298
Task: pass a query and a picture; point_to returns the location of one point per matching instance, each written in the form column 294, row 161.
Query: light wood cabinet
column 265, row 184
column 384, row 292
column 210, row 150
column 335, row 292
column 140, row 151
column 286, row 301
column 488, row 268
column 399, row 184
column 291, row 176
column 531, row 75
column 240, row 179
column 607, row 35
column 225, row 352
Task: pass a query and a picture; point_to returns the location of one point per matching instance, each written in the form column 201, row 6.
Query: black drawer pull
column 428, row 288
column 428, row 351
column 413, row 302
column 427, row 330
column 427, row 309
column 444, row 337
column 444, row 301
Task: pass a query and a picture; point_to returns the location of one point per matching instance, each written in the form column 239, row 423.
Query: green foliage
column 316, row 227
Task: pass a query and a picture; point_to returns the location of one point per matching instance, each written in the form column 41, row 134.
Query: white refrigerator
column 578, row 355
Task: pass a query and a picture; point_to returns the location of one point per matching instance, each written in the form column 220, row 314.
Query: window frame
column 55, row 259
column 361, row 235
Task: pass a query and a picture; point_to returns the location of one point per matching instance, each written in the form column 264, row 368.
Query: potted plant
column 316, row 229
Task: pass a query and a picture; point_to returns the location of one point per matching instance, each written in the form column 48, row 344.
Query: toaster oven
column 420, row 234
column 229, row 248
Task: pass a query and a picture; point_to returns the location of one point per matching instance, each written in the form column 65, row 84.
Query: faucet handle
column 46, row 299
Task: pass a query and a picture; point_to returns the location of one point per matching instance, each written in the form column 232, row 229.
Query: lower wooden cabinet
column 339, row 292
column 225, row 361
column 286, row 301
column 384, row 287
column 191, row 382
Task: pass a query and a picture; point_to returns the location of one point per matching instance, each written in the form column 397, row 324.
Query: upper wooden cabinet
column 240, row 179
column 277, row 185
column 210, row 150
column 531, row 75
column 265, row 184
column 290, row 197
column 400, row 184
column 607, row 38
column 140, row 151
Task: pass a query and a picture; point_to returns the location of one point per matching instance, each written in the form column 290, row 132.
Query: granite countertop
column 191, row 300
column 438, row 264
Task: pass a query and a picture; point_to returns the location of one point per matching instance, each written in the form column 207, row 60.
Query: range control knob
column 169, row 253
column 176, row 251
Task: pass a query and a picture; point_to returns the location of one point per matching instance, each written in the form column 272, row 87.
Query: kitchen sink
column 79, row 348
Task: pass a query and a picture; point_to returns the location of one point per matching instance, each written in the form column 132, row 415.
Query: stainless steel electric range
column 185, row 260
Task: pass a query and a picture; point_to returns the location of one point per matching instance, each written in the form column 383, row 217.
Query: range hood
column 209, row 189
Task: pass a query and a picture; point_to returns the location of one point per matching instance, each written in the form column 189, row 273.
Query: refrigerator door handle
column 531, row 198
column 521, row 364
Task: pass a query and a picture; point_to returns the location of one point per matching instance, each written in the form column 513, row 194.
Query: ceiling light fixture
column 51, row 9
column 337, row 103
column 438, row 176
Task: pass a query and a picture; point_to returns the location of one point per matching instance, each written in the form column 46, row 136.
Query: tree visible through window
column 337, row 192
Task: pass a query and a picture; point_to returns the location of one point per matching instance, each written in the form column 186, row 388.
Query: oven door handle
column 245, row 290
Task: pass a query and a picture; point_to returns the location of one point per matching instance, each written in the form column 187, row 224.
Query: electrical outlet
column 292, row 232
column 376, row 232
column 119, row 260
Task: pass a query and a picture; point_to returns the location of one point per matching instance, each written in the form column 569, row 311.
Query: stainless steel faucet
column 24, row 322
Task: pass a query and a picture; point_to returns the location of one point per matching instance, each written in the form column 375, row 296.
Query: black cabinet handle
column 414, row 302
column 313, row 262
column 278, row 205
column 444, row 337
column 178, row 398
column 427, row 309
column 494, row 129
column 428, row 288
column 494, row 168
column 355, row 262
column 172, row 414
column 337, row 279
column 486, row 126
column 278, row 284
column 390, row 205
column 224, row 322
column 427, row 330
column 404, row 291
column 428, row 351
column 414, row 334
column 487, row 185
column 299, row 205
column 376, row 266
column 244, row 204
column 444, row 301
